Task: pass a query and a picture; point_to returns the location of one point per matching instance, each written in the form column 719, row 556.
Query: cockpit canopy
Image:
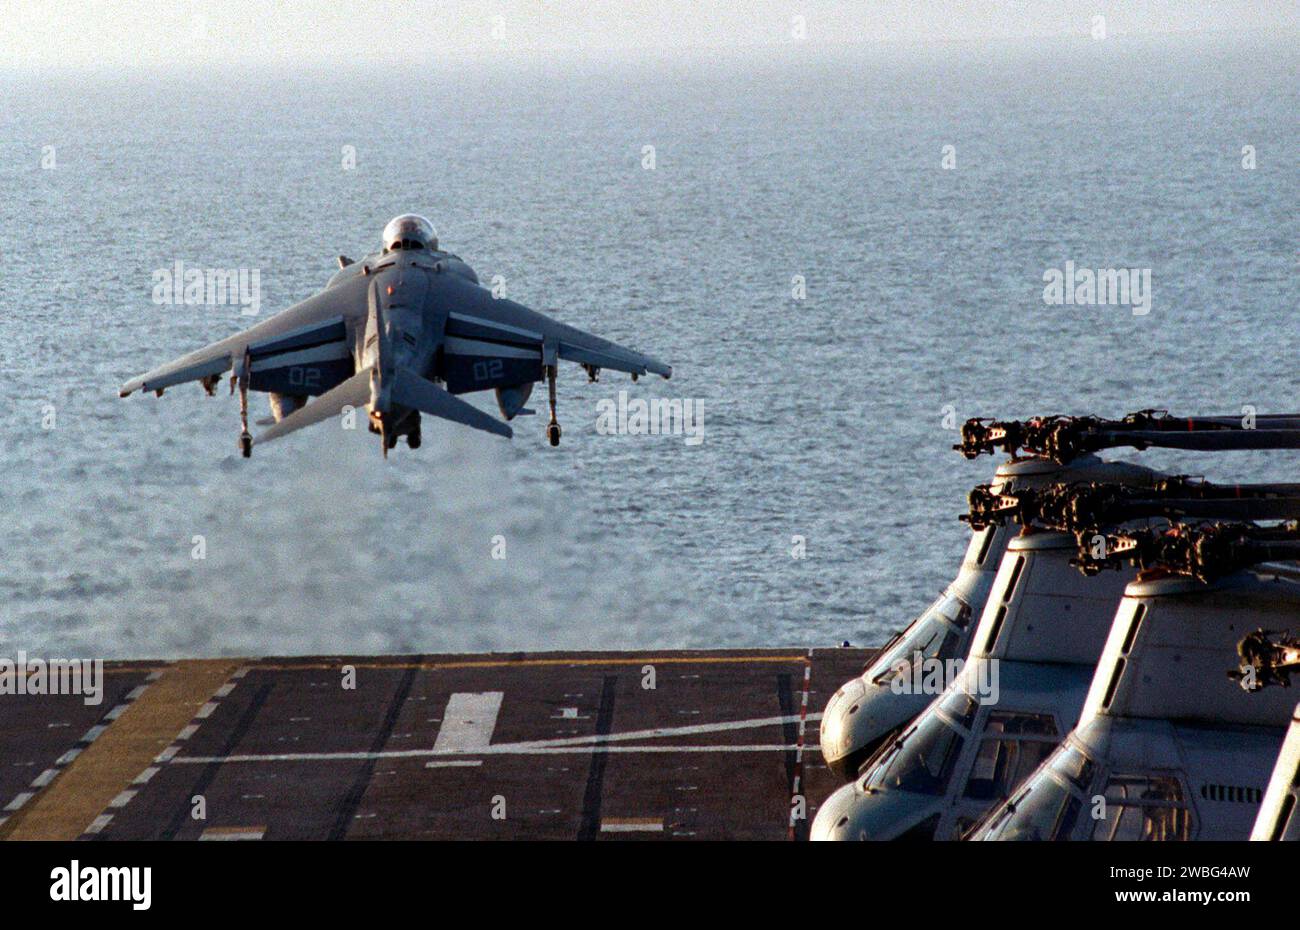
column 409, row 231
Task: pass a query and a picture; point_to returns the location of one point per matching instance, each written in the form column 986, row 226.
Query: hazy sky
column 133, row 33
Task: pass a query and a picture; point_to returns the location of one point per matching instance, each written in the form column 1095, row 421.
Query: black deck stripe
column 348, row 807
column 589, row 828
column 209, row 772
column 790, row 736
column 790, row 729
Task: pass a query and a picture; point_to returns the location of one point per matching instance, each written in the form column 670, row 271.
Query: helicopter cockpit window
column 922, row 760
column 1045, row 809
column 934, row 635
column 1014, row 745
column 1141, row 807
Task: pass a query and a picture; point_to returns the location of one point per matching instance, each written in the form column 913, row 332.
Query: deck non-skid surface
column 709, row 744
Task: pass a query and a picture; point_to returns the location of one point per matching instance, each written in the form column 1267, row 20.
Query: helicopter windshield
column 921, row 760
column 934, row 635
column 1046, row 809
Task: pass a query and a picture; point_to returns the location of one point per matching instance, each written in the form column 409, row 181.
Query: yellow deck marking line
column 523, row 663
column 108, row 766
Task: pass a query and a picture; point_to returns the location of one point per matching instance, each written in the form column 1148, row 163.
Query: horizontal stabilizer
column 354, row 392
column 410, row 390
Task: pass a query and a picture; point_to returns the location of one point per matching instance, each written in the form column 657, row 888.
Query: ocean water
column 824, row 417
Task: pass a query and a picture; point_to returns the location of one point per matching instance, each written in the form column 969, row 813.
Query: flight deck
column 681, row 745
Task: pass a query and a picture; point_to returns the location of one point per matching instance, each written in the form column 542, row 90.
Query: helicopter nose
column 838, row 740
column 840, row 817
column 854, row 814
column 858, row 718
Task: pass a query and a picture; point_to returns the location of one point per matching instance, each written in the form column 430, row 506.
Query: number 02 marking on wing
column 488, row 370
column 304, row 377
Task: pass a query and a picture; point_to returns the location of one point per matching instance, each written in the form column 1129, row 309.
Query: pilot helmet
column 409, row 231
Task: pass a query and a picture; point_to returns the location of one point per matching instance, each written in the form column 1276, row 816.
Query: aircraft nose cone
column 858, row 718
column 839, row 817
column 837, row 725
column 852, row 814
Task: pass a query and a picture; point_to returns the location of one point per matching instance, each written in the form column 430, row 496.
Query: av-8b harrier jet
column 399, row 333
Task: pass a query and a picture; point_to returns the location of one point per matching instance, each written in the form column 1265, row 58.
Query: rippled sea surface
column 823, row 417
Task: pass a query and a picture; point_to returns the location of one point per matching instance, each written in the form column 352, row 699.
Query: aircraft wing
column 308, row 340
column 476, row 317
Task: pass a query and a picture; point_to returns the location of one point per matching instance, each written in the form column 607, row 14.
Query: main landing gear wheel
column 413, row 439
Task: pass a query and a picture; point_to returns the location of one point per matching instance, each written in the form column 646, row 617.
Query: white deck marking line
column 502, row 750
column 632, row 825
column 468, row 722
column 454, row 764
column 693, row 729
column 233, row 833
column 99, row 823
column 67, row 757
column 19, row 800
column 43, row 779
column 578, row 744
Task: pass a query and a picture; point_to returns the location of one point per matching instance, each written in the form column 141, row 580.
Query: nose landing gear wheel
column 246, row 444
column 553, row 434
